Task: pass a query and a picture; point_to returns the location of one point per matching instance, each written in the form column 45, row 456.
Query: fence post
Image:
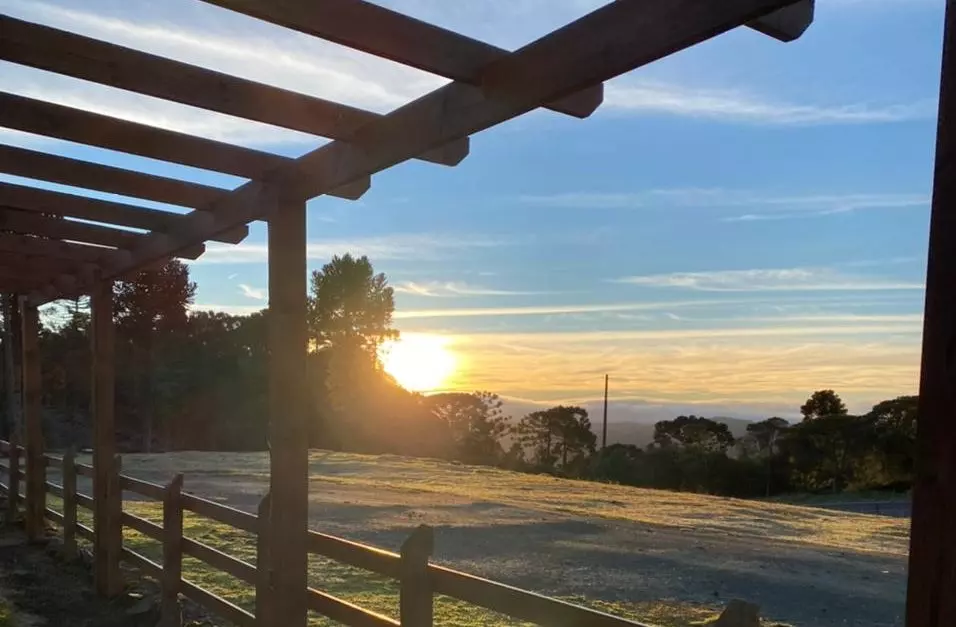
column 263, row 569
column 416, row 601
column 114, row 529
column 13, row 497
column 171, row 615
column 69, row 504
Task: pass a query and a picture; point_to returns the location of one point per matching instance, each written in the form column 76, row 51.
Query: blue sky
column 738, row 225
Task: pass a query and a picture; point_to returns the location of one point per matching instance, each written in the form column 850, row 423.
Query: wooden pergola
column 47, row 254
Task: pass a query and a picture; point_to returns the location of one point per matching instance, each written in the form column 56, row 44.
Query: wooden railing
column 419, row 580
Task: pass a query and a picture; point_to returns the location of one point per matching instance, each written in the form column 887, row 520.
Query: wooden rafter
column 76, row 253
column 107, row 212
column 612, row 40
column 84, row 127
column 397, row 37
column 70, row 54
column 59, row 228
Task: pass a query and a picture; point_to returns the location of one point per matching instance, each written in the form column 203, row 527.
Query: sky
column 738, row 225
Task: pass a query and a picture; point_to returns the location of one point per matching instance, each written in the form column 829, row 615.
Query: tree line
column 198, row 380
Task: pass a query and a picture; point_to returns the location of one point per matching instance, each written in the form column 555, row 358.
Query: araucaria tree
column 560, row 433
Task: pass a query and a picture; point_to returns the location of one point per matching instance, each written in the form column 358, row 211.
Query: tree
column 894, row 438
column 823, row 403
column 694, row 432
column 766, row 434
column 562, row 432
column 148, row 309
column 825, row 451
column 350, row 306
column 476, row 423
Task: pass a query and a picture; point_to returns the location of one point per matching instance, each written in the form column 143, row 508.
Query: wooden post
column 13, row 497
column 32, row 414
column 171, row 615
column 263, row 568
column 69, row 504
column 106, row 565
column 288, row 414
column 10, row 412
column 416, row 601
column 932, row 566
column 14, row 356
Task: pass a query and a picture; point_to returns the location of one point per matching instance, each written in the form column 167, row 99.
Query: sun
column 418, row 362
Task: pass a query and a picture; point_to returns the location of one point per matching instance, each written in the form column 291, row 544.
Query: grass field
column 659, row 557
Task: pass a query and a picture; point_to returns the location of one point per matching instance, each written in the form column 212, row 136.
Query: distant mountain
column 641, row 433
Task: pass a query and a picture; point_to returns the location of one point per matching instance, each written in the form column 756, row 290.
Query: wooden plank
column 79, row 254
column 53, row 515
column 219, row 606
column 264, row 601
column 86, row 502
column 172, row 538
column 69, row 504
column 517, row 603
column 53, row 488
column 362, row 556
column 102, row 337
column 143, row 488
column 38, row 200
column 619, row 37
column 84, row 127
column 143, row 526
column 101, row 62
column 85, row 470
column 288, row 413
column 416, row 600
column 391, row 35
column 147, row 566
column 220, row 561
column 13, row 488
column 930, row 601
column 221, row 513
column 33, row 422
column 346, row 613
column 84, row 532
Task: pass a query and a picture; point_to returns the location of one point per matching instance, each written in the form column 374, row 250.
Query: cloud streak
column 741, row 107
column 255, row 293
column 439, row 289
column 408, row 246
column 768, row 280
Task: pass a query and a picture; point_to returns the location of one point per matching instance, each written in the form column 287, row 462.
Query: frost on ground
column 640, row 551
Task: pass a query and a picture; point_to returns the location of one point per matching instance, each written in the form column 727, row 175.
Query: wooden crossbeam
column 98, row 61
column 59, row 228
column 55, row 249
column 76, row 125
column 391, row 35
column 610, row 41
column 108, row 212
column 38, row 264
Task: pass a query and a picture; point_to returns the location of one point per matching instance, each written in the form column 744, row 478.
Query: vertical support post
column 13, row 497
column 32, row 414
column 106, row 565
column 932, row 566
column 171, row 615
column 288, row 413
column 263, row 566
column 13, row 370
column 69, row 504
column 416, row 602
column 9, row 422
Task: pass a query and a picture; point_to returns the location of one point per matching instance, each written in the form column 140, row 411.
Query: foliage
column 823, row 403
column 560, row 433
column 703, row 434
column 474, row 422
column 350, row 305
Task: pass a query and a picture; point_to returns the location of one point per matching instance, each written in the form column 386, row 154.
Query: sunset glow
column 419, row 362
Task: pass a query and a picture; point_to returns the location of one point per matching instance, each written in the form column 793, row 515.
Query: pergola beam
column 606, row 43
column 59, row 228
column 84, row 127
column 391, row 35
column 930, row 600
column 108, row 212
column 101, row 62
column 55, row 249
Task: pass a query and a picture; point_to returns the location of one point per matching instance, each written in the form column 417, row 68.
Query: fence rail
column 419, row 580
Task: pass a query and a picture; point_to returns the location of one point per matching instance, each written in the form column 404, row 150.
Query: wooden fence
column 419, row 580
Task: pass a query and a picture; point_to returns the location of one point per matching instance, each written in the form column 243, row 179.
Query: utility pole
column 604, row 429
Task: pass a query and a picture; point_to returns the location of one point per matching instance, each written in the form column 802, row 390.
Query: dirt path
column 506, row 527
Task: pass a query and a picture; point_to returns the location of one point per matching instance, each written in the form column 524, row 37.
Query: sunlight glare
column 419, row 362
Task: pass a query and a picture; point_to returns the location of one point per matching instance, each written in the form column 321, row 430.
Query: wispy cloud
column 768, row 280
column 760, row 203
column 419, row 246
column 440, row 289
column 739, row 106
column 256, row 293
